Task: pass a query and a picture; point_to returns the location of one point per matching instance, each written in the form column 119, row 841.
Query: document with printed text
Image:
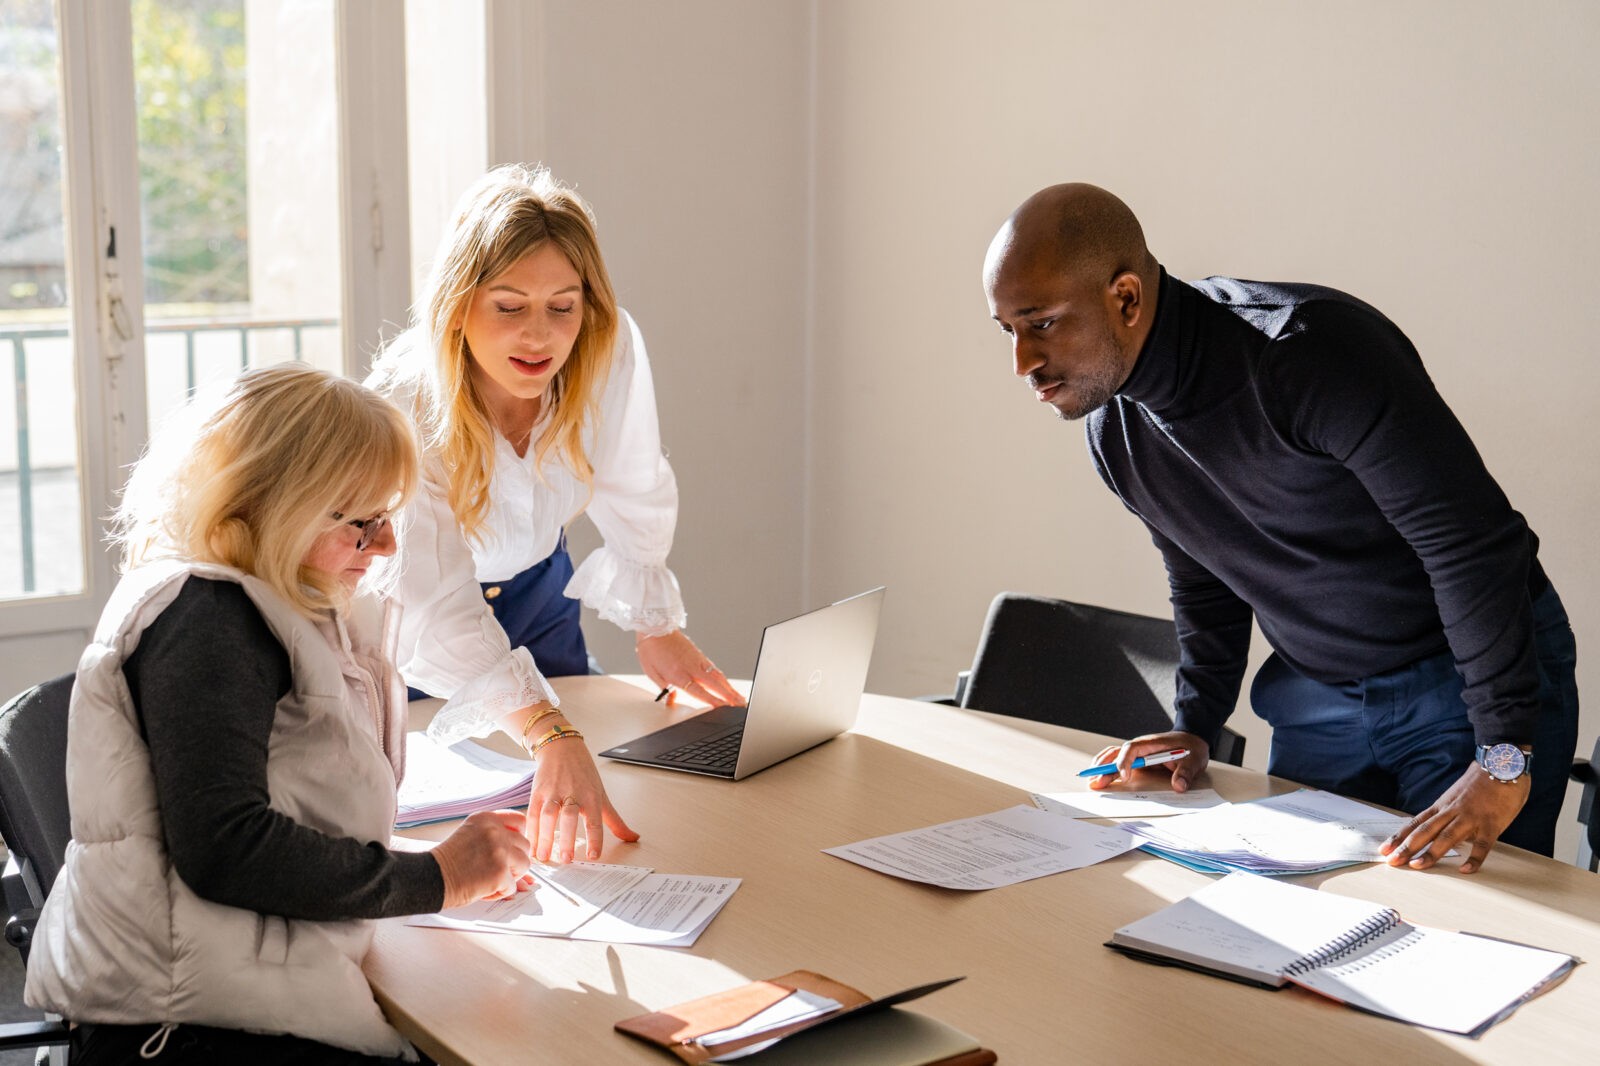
column 990, row 850
column 1113, row 804
column 1298, row 832
column 598, row 901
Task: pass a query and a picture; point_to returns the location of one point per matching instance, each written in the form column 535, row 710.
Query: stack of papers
column 443, row 783
column 1113, row 804
column 598, row 901
column 1300, row 832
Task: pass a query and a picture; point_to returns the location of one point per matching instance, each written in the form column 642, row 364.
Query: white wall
column 1438, row 159
column 839, row 407
column 684, row 125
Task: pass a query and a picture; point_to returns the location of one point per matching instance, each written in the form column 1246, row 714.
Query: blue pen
column 1138, row 764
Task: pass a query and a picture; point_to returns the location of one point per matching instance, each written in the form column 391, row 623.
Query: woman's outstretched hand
column 673, row 661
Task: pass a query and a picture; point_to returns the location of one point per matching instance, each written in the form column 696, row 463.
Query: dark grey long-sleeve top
column 205, row 679
column 1293, row 460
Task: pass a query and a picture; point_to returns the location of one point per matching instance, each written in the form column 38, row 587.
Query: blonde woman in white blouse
column 533, row 395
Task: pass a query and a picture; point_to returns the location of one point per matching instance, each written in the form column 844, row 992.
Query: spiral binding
column 1344, row 943
column 1388, row 950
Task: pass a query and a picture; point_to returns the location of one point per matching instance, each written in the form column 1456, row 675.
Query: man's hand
column 1475, row 811
column 1184, row 771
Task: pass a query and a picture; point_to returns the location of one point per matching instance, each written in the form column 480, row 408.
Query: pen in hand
column 1138, row 764
column 546, row 880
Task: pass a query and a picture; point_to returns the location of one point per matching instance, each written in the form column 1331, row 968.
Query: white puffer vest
column 122, row 939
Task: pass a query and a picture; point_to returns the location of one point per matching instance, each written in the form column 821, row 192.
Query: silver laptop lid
column 809, row 677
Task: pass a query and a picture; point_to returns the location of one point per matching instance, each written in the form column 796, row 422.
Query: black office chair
column 36, row 827
column 1589, row 774
column 1075, row 665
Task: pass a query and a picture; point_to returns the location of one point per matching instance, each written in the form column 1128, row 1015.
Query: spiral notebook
column 1266, row 932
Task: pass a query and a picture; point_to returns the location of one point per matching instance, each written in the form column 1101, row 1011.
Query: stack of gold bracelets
column 555, row 733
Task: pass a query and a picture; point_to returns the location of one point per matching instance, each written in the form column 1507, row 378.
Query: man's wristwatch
column 1504, row 762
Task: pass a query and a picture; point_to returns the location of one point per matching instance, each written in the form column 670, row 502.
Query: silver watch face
column 1504, row 762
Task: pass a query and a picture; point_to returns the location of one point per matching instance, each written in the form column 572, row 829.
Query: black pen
column 662, row 693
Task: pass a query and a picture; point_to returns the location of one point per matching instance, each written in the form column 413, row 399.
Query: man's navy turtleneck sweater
column 1291, row 457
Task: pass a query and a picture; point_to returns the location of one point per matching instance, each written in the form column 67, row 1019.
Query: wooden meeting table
column 1040, row 989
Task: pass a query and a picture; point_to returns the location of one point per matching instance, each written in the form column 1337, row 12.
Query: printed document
column 598, row 901
column 452, row 782
column 990, row 850
column 1112, row 804
column 1298, row 832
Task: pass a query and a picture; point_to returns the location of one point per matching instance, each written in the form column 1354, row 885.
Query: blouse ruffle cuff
column 479, row 705
column 644, row 599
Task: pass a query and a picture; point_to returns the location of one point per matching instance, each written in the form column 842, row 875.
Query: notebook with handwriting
column 1266, row 932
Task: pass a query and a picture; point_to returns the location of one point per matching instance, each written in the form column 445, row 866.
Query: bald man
column 1294, row 464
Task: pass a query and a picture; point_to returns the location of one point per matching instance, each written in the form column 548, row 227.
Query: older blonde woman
column 235, row 743
column 533, row 393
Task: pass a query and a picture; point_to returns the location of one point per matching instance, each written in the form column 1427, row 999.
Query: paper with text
column 1298, row 832
column 990, row 850
column 599, row 901
column 1248, row 926
column 1112, row 804
column 453, row 782
column 667, row 910
column 562, row 899
column 1444, row 980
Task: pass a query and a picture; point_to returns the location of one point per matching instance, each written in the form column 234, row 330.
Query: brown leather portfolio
column 912, row 1039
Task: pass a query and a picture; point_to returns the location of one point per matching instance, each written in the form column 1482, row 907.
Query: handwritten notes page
column 598, row 901
column 1244, row 926
column 1356, row 952
column 990, row 850
column 1452, row 981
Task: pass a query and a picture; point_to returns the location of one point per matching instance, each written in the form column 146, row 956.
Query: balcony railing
column 18, row 337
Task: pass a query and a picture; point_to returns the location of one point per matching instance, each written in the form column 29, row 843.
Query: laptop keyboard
column 719, row 751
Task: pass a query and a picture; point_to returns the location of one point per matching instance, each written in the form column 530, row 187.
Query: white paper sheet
column 796, row 1006
column 453, row 782
column 599, row 901
column 1297, row 832
column 667, row 910
column 990, row 850
column 1111, row 804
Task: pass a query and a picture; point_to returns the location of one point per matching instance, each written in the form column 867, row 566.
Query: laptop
column 810, row 673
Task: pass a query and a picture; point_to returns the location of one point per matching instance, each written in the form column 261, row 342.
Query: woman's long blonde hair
column 506, row 215
column 290, row 453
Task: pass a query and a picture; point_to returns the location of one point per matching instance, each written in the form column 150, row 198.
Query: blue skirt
column 536, row 615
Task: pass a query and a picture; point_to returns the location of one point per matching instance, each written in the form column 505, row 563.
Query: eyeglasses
column 369, row 527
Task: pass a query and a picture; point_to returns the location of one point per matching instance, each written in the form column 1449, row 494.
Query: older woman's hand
column 485, row 858
column 567, row 786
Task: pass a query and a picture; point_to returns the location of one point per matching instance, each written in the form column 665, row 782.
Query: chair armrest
column 951, row 699
column 34, row 1034
column 19, row 929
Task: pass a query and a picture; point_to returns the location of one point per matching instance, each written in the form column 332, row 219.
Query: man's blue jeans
column 1402, row 738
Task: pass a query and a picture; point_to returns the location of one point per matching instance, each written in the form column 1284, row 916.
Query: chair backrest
column 1075, row 665
column 33, row 778
column 1589, row 808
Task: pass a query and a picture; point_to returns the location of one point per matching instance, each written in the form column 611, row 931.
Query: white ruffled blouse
column 450, row 641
